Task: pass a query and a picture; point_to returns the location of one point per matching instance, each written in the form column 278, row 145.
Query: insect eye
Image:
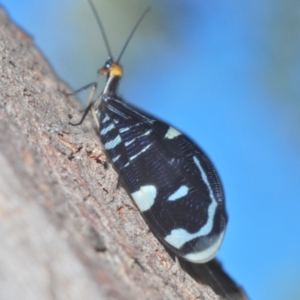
column 106, row 68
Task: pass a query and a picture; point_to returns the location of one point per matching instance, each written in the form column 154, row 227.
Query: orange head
column 111, row 68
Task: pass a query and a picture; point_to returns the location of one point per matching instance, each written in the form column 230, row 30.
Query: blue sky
column 227, row 74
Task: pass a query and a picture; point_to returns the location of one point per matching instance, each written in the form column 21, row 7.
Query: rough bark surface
column 66, row 230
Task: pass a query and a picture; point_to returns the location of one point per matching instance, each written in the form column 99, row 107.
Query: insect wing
column 170, row 179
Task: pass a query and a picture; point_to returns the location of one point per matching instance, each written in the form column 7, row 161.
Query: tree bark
column 67, row 231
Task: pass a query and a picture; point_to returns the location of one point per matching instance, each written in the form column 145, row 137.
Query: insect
column 170, row 179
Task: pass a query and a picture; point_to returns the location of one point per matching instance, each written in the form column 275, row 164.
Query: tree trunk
column 67, row 231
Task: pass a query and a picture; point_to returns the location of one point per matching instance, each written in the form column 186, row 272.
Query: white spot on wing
column 124, row 129
column 204, row 178
column 206, row 254
column 181, row 192
column 107, row 129
column 147, row 132
column 130, row 142
column 172, row 133
column 113, row 143
column 213, row 205
column 133, row 140
column 116, row 158
column 145, row 197
column 178, row 237
column 106, row 118
column 143, row 150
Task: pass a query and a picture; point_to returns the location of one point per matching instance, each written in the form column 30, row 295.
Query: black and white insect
column 170, row 179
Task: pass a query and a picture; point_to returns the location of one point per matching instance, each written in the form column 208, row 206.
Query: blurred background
column 227, row 74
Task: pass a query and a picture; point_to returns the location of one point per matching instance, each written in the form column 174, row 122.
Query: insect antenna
column 132, row 32
column 91, row 102
column 101, row 28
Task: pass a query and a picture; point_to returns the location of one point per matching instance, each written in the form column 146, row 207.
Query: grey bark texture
column 66, row 230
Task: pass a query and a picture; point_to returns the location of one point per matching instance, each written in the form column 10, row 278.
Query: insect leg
column 93, row 85
column 91, row 102
column 84, row 115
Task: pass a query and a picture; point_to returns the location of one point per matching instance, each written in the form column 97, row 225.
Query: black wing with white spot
column 170, row 179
